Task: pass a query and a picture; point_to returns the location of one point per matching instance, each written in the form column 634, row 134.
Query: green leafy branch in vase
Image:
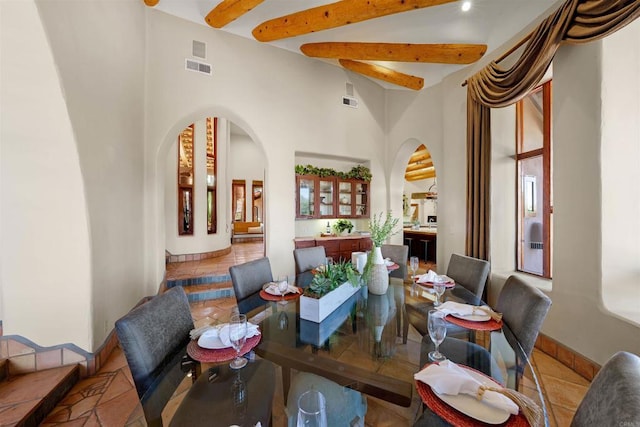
column 381, row 231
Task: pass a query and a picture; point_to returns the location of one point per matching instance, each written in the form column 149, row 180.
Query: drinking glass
column 439, row 287
column 437, row 331
column 283, row 285
column 237, row 337
column 312, row 409
column 414, row 262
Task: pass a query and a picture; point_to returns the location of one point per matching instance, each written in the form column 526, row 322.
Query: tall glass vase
column 379, row 281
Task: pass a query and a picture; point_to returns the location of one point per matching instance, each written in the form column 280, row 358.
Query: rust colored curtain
column 576, row 21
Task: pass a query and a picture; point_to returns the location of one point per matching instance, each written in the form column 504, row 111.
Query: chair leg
column 405, row 325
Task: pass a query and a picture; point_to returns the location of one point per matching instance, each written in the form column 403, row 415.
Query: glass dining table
column 359, row 345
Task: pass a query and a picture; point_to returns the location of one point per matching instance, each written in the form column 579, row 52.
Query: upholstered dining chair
column 613, row 398
column 247, row 280
column 154, row 338
column 524, row 309
column 306, row 259
column 398, row 254
column 469, row 272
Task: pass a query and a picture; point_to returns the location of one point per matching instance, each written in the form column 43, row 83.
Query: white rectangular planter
column 316, row 310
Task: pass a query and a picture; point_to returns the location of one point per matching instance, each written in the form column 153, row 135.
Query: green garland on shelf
column 357, row 172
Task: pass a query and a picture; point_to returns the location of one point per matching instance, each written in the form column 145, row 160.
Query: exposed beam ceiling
column 229, row 10
column 334, row 15
column 404, row 52
column 383, row 73
column 420, row 165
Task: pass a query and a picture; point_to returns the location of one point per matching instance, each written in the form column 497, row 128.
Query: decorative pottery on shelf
column 379, row 280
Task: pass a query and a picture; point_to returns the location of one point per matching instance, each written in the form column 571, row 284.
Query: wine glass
column 437, row 331
column 312, row 409
column 237, row 337
column 414, row 262
column 439, row 287
column 283, row 286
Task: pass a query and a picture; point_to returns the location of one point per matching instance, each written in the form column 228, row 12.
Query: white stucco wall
column 246, row 161
column 284, row 101
column 45, row 263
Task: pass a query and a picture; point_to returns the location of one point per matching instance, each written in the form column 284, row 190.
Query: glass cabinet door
column 362, row 199
column 327, row 197
column 345, row 202
column 306, row 197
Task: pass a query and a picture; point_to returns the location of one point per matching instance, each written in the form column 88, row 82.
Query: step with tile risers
column 26, row 399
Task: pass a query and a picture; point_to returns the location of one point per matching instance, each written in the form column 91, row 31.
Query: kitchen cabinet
column 329, row 197
column 339, row 248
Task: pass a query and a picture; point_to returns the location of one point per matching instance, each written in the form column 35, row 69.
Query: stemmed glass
column 311, row 409
column 439, row 287
column 283, row 285
column 437, row 331
column 237, row 337
column 414, row 262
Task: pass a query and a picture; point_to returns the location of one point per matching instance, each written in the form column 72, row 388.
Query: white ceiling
column 490, row 22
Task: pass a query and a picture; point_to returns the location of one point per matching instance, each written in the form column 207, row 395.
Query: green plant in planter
column 342, row 225
column 332, row 276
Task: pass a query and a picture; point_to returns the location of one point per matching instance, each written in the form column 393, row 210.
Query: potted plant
column 330, row 287
column 376, row 272
column 343, row 226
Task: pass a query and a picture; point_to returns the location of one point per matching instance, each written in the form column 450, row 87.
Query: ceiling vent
column 350, row 101
column 199, row 49
column 197, row 66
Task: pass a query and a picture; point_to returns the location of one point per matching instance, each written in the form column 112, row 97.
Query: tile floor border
column 198, row 256
column 571, row 359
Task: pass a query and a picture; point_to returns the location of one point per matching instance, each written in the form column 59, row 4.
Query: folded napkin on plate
column 273, row 289
column 430, row 276
column 252, row 330
column 197, row 332
column 449, row 378
column 452, row 307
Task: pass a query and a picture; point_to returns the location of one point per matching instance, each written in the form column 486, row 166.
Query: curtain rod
column 509, row 52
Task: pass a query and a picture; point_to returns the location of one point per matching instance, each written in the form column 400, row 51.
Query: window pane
column 531, row 217
column 532, row 122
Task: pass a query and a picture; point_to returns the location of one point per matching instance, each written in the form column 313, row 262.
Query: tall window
column 238, row 192
column 534, row 192
column 212, row 146
column 185, row 181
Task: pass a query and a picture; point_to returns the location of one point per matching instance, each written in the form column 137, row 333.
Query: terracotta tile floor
column 109, row 399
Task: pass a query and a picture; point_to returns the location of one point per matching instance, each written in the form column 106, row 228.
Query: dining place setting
column 280, row 290
column 224, row 342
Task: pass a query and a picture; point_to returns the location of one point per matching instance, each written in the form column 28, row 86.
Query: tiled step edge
column 209, row 294
column 203, row 280
column 35, row 411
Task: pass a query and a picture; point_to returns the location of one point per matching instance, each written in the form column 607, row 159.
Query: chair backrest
column 307, row 259
column 523, row 309
column 248, row 278
column 398, row 254
column 613, row 398
column 469, row 272
column 154, row 338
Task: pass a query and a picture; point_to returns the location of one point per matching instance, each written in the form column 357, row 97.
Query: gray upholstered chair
column 307, row 259
column 613, row 398
column 470, row 273
column 398, row 254
column 247, row 280
column 345, row 407
column 154, row 338
column 523, row 309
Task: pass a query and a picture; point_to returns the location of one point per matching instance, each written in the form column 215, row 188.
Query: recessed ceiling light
column 466, row 5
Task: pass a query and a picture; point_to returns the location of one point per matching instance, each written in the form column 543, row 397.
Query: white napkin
column 430, row 276
column 452, row 307
column 273, row 289
column 197, row 332
column 252, row 330
column 448, row 378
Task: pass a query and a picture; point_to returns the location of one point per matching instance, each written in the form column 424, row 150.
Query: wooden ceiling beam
column 151, row 3
column 420, row 171
column 383, row 73
column 404, row 52
column 420, row 158
column 229, row 10
column 426, row 175
column 418, row 166
column 334, row 15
